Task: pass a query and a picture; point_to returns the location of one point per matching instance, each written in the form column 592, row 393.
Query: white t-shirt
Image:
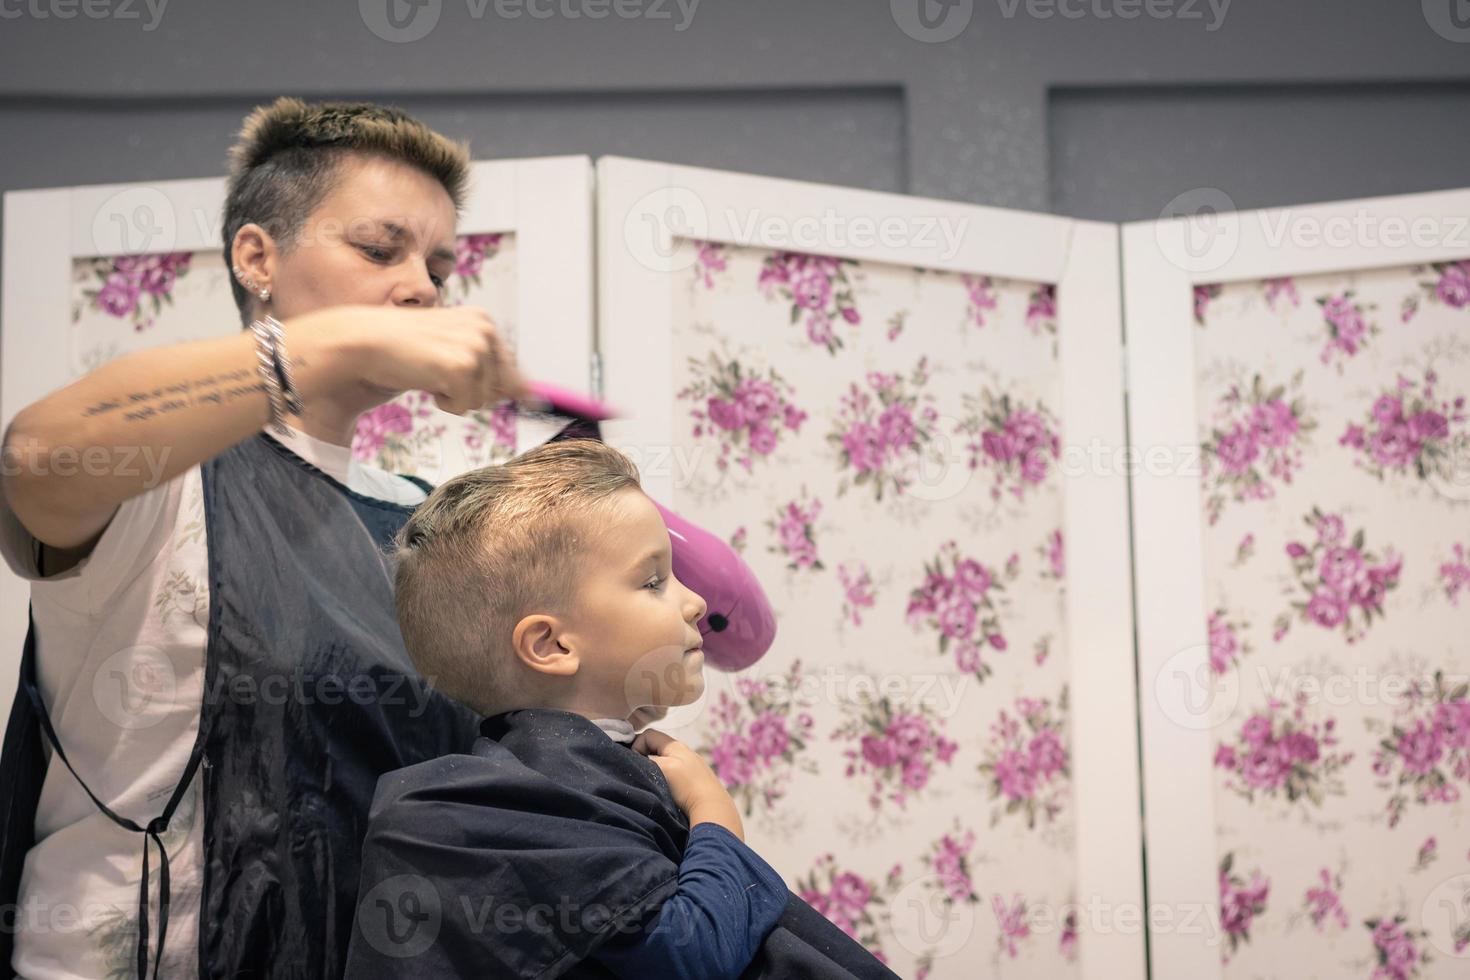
column 120, row 643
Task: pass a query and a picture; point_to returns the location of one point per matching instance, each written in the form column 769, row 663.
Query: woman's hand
column 694, row 785
column 455, row 353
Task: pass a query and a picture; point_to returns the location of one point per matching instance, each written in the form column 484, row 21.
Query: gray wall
column 1086, row 112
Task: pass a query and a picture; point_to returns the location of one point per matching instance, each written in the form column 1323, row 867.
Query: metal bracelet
column 283, row 365
column 265, row 367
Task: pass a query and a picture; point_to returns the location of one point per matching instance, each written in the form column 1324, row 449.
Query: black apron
column 309, row 696
column 524, row 856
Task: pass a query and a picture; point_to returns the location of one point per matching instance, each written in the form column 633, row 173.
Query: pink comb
column 570, row 404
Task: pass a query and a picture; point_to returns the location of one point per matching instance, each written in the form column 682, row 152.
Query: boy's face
column 636, row 626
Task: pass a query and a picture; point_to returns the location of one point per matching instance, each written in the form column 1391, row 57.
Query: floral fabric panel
column 883, row 445
column 1336, row 501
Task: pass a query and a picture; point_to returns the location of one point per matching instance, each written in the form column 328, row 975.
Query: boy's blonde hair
column 288, row 157
column 491, row 546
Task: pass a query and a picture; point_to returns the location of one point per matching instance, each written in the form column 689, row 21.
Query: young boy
column 540, row 594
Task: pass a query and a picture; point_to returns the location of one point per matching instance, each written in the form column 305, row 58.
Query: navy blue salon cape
column 523, row 857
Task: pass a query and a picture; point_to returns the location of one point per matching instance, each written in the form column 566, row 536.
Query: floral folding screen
column 882, row 444
column 1336, row 497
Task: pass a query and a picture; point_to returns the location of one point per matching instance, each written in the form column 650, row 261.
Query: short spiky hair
column 491, row 546
column 287, row 156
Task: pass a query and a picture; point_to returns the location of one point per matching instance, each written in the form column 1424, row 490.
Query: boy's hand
column 694, row 785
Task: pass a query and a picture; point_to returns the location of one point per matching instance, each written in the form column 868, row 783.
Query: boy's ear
column 538, row 642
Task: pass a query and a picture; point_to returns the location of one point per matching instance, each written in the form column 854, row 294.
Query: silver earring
column 248, row 283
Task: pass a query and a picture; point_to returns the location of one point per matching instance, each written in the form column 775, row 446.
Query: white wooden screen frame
column 545, row 202
column 1162, row 263
column 635, row 330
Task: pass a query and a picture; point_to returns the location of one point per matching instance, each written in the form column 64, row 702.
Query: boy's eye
column 656, row 582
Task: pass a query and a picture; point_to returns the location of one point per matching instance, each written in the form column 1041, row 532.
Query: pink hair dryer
column 739, row 626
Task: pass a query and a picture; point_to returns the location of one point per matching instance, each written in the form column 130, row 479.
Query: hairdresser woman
column 218, row 675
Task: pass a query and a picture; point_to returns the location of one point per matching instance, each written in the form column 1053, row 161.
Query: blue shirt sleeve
column 727, row 901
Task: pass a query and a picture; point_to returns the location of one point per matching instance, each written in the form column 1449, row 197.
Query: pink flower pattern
column 1016, row 442
column 756, row 743
column 1283, row 753
column 817, row 287
column 471, row 252
column 710, row 258
column 1203, row 296
column 1348, row 327
column 882, row 429
column 746, row 413
column 796, row 541
column 959, row 599
column 1455, row 574
column 898, row 747
column 1240, row 903
column 857, row 589
column 851, row 902
column 1397, row 947
column 1282, row 290
column 1226, row 646
column 1425, row 758
column 1324, row 901
column 1012, row 920
column 1451, row 287
column 1406, row 431
column 982, row 297
column 1340, row 583
column 1027, row 761
column 135, row 287
column 1255, row 442
column 390, row 436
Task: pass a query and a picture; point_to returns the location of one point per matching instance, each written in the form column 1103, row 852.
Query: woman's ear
column 537, row 641
column 254, row 252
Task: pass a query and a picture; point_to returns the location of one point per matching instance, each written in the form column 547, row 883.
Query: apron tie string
column 154, row 830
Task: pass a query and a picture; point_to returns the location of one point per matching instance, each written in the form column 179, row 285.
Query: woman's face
column 383, row 235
